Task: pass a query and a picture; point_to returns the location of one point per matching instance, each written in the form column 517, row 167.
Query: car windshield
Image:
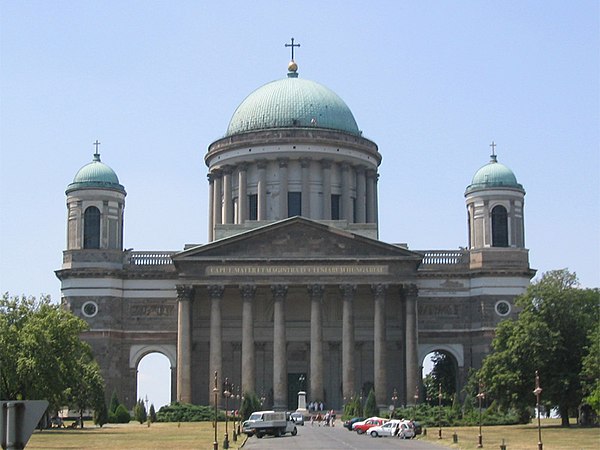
column 254, row 416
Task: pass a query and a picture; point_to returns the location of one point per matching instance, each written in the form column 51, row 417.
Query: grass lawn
column 201, row 435
column 520, row 437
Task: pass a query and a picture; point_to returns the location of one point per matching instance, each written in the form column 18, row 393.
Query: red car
column 362, row 427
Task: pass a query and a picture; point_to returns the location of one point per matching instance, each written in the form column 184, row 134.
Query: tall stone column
column 379, row 353
column 361, row 195
column 227, row 196
column 211, row 206
column 262, row 190
column 305, row 166
column 217, row 198
column 279, row 348
column 242, row 193
column 326, row 165
column 215, row 293
column 283, row 188
column 346, row 199
column 371, row 193
column 316, row 342
column 248, row 358
column 413, row 375
column 348, row 387
column 184, row 343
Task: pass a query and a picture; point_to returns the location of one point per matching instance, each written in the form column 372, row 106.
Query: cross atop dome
column 292, row 66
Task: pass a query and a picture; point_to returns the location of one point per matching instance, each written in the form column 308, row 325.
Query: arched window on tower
column 91, row 228
column 499, row 227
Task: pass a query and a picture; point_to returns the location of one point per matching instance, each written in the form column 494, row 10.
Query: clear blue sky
column 431, row 82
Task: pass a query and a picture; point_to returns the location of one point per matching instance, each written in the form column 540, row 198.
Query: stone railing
column 444, row 257
column 149, row 258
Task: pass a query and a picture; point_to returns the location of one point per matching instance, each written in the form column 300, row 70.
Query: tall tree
column 550, row 335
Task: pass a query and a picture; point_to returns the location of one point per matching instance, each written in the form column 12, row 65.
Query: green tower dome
column 96, row 175
column 292, row 102
column 494, row 175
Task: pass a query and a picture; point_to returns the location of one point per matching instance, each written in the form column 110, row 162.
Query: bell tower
column 95, row 205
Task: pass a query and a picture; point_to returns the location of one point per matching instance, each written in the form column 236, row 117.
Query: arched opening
column 439, row 368
column 91, row 228
column 499, row 227
column 154, row 380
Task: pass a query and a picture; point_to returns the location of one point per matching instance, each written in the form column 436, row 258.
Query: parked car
column 389, row 428
column 298, row 418
column 417, row 427
column 348, row 423
column 406, row 430
column 363, row 427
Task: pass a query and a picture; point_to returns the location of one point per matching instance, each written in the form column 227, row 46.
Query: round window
column 89, row 309
column 503, row 308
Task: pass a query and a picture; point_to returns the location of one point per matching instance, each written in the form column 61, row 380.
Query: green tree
column 122, row 415
column 590, row 371
column 101, row 414
column 114, row 403
column 41, row 354
column 550, row 336
column 250, row 403
column 152, row 413
column 87, row 390
column 139, row 411
column 371, row 405
column 444, row 372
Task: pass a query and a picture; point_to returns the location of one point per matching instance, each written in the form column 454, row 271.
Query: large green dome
column 292, row 102
column 494, row 175
column 96, row 175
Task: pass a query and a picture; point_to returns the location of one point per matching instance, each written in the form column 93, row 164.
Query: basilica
column 293, row 290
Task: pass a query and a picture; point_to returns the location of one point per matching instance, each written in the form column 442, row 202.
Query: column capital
column 283, row 162
column 360, row 169
column 243, row 166
column 305, row 162
column 326, row 163
column 215, row 291
column 348, row 291
column 279, row 291
column 216, row 173
column 227, row 170
column 379, row 290
column 345, row 166
column 410, row 290
column 316, row 290
column 247, row 291
column 261, row 163
column 210, row 177
column 184, row 292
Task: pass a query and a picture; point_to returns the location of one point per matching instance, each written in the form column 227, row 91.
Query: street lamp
column 538, row 391
column 394, row 399
column 440, row 411
column 234, row 416
column 240, row 397
column 226, row 393
column 216, row 394
column 480, row 397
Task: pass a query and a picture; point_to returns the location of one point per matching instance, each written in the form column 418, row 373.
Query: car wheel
column 374, row 434
column 294, row 432
column 259, row 435
column 359, row 431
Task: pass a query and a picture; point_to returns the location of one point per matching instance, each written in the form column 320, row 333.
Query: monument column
column 305, row 165
column 326, row 165
column 379, row 343
column 184, row 343
column 370, row 194
column 215, row 293
column 227, row 196
column 279, row 348
column 217, row 199
column 283, row 188
column 248, row 359
column 316, row 342
column 242, row 194
column 211, row 206
column 348, row 291
column 346, row 199
column 361, row 195
column 262, row 190
column 413, row 372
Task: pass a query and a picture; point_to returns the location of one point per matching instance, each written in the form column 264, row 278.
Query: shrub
column 121, row 415
column 186, row 412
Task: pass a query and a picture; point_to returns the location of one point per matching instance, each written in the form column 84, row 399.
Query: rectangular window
column 294, row 204
column 253, row 207
column 335, row 207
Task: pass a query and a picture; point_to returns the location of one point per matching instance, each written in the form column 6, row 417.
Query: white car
column 400, row 428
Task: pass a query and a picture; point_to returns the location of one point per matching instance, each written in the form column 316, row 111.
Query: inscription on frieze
column 438, row 310
column 298, row 270
column 152, row 310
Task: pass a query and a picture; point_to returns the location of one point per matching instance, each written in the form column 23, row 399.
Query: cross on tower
column 96, row 144
column 292, row 45
column 493, row 145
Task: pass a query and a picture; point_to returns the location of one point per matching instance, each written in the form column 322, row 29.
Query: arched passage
column 442, row 364
column 155, row 368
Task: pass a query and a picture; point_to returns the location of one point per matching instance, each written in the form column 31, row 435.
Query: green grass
column 200, row 435
column 520, row 437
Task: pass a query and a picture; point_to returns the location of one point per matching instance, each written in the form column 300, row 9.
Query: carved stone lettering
column 152, row 310
column 438, row 310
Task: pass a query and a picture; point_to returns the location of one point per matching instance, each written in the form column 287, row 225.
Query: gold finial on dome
column 292, row 66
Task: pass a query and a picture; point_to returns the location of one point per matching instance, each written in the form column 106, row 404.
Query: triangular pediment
column 296, row 238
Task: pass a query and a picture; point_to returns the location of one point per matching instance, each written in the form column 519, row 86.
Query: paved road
column 336, row 438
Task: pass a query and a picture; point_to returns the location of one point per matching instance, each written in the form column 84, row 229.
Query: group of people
column 328, row 419
column 315, row 406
